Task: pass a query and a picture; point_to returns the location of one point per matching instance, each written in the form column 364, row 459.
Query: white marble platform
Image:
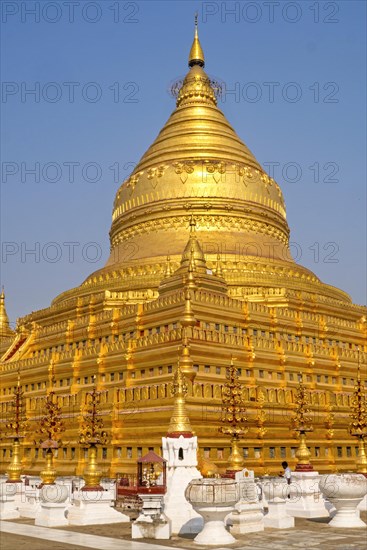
column 76, row 539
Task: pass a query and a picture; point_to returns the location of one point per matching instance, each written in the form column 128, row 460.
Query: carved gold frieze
column 218, row 222
column 216, row 168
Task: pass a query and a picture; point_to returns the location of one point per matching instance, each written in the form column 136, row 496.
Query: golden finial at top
column 196, row 55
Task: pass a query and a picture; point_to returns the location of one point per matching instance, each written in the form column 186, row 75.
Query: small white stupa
column 180, row 450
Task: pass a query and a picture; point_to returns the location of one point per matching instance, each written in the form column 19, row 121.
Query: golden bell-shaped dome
column 198, row 165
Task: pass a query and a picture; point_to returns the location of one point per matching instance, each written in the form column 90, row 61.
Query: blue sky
column 101, row 72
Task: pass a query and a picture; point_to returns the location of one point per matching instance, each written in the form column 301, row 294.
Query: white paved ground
column 73, row 538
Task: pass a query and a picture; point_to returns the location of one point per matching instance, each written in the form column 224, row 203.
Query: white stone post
column 247, row 516
column 276, row 491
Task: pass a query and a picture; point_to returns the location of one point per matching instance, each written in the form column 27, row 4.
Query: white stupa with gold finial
column 180, row 450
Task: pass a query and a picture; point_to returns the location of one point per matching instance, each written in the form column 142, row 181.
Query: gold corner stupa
column 5, row 330
column 199, row 261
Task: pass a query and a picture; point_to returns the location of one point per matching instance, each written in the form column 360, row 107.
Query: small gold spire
column 196, row 55
column 5, row 329
column 169, row 270
column 190, row 280
column 218, row 267
column 180, row 422
column 186, row 362
column 188, row 318
column 193, row 255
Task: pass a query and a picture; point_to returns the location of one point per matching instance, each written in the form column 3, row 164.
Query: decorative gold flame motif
column 92, row 434
column 16, row 425
column 92, row 426
column 233, row 414
column 51, row 424
column 358, row 425
column 261, row 415
column 50, row 427
column 301, row 422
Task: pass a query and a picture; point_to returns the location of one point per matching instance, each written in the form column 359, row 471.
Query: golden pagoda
column 199, row 260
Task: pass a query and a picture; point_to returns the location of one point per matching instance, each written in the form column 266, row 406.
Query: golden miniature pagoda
column 199, row 260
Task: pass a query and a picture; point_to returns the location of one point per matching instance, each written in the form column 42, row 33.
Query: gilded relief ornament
column 133, row 180
column 154, row 173
column 261, row 415
column 183, row 169
column 16, row 425
column 244, row 173
column 301, row 423
column 358, row 424
column 329, row 423
column 92, row 434
column 50, row 429
column 233, row 415
column 216, row 169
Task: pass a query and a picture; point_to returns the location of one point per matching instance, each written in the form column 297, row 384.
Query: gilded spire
column 196, row 55
column 188, row 317
column 190, row 280
column 169, row 270
column 218, row 267
column 5, row 329
column 186, row 362
column 193, row 258
column 180, row 422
